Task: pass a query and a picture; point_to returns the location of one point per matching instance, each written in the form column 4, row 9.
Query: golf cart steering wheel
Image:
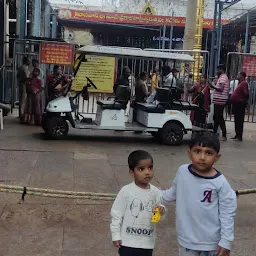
column 90, row 82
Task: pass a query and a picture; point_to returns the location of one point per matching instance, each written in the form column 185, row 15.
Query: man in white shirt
column 170, row 80
column 170, row 76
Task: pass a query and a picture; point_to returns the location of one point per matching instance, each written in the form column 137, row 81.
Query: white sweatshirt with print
column 205, row 210
column 131, row 216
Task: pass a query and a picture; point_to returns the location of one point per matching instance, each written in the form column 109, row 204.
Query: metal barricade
column 235, row 64
column 31, row 49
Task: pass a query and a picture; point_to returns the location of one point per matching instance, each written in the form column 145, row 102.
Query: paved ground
column 97, row 162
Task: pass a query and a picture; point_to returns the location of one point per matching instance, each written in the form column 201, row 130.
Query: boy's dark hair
column 205, row 139
column 136, row 156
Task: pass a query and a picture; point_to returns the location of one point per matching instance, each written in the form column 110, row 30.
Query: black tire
column 56, row 128
column 172, row 134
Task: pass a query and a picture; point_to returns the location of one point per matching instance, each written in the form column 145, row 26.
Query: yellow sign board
column 100, row 69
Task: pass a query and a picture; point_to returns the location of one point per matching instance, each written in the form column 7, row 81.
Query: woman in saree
column 201, row 97
column 33, row 108
column 56, row 84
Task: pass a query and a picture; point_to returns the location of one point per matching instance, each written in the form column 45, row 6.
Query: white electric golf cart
column 166, row 120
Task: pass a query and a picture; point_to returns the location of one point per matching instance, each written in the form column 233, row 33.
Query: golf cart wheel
column 172, row 134
column 56, row 128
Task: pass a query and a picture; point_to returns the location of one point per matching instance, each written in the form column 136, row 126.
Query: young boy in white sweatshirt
column 205, row 202
column 132, row 230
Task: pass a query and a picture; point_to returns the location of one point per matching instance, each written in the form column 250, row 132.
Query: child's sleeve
column 117, row 214
column 170, row 194
column 227, row 212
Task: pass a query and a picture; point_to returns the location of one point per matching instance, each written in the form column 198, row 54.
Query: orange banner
column 54, row 53
column 138, row 19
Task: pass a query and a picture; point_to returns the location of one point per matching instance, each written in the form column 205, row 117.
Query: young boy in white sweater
column 205, row 202
column 132, row 230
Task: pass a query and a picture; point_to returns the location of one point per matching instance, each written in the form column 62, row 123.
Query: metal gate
column 31, row 49
column 236, row 62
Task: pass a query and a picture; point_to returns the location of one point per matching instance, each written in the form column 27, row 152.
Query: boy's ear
column 218, row 157
column 189, row 153
column 131, row 173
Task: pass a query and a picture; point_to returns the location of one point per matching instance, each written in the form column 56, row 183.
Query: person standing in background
column 34, row 109
column 56, row 84
column 220, row 98
column 170, row 76
column 155, row 80
column 239, row 101
column 35, row 64
column 141, row 89
column 233, row 85
column 188, row 84
column 202, row 98
column 22, row 76
column 123, row 79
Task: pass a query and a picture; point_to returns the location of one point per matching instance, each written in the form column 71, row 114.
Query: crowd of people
column 212, row 97
column 35, row 91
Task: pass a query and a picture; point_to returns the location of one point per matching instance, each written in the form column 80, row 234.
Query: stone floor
column 97, row 162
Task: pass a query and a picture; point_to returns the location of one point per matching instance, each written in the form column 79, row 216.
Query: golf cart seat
column 168, row 98
column 150, row 108
column 166, row 95
column 119, row 101
column 184, row 105
column 109, row 104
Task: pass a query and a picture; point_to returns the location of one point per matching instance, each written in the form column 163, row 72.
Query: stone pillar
column 36, row 26
column 47, row 21
column 54, row 25
column 21, row 23
column 190, row 27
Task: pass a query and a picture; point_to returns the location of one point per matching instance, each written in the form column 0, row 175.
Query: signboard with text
column 100, row 69
column 55, row 53
column 125, row 18
column 249, row 65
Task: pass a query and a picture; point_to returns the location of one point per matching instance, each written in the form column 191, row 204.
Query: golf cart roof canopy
column 134, row 52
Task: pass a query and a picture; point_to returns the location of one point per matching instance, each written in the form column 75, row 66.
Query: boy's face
column 143, row 173
column 203, row 158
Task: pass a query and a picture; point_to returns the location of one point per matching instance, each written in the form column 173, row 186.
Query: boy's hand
column 161, row 210
column 222, row 251
column 117, row 243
